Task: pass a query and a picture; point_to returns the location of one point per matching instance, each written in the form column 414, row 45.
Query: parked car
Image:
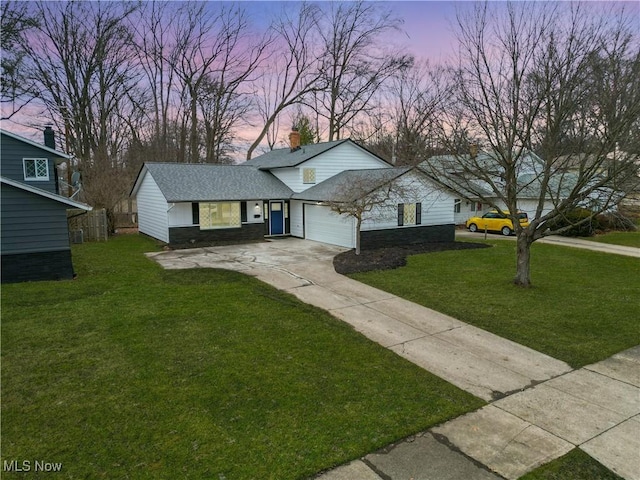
column 496, row 221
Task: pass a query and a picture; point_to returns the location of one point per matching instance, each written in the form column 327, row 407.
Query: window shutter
column 195, row 213
column 243, row 211
column 418, row 213
column 400, row 214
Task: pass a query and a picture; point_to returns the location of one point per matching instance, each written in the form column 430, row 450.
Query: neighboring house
column 284, row 192
column 475, row 196
column 34, row 237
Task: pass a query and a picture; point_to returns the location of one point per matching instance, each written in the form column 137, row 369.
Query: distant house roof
column 52, row 151
column 484, row 161
column 188, row 182
column 284, row 157
column 560, row 185
column 46, row 194
column 333, row 189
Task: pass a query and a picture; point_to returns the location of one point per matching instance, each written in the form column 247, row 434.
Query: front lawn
column 627, row 239
column 132, row 371
column 583, row 308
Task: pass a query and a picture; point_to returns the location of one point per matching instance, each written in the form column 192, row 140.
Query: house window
column 219, row 215
column 456, row 205
column 409, row 214
column 36, row 168
column 308, row 175
column 195, row 213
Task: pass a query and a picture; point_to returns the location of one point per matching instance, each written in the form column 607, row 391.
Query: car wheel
column 473, row 227
column 506, row 231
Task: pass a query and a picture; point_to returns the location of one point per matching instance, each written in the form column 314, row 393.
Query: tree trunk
column 523, row 261
column 358, row 225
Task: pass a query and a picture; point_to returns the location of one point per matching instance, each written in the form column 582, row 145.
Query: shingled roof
column 284, row 157
column 187, row 182
column 333, row 189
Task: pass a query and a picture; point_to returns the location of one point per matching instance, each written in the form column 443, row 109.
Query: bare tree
column 293, row 71
column 530, row 74
column 405, row 128
column 360, row 192
column 152, row 43
column 223, row 108
column 81, row 61
column 214, row 47
column 355, row 64
column 16, row 90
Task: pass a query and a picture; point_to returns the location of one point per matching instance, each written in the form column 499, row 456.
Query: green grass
column 575, row 465
column 583, row 308
column 627, row 239
column 131, row 371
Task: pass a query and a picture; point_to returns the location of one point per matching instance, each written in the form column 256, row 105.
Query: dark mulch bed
column 392, row 257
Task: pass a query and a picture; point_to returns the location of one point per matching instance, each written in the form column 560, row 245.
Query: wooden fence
column 88, row 226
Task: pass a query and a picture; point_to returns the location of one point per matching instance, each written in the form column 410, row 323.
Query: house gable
column 346, row 155
column 16, row 149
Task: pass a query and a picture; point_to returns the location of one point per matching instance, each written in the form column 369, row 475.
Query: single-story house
column 287, row 192
column 475, row 197
column 34, row 238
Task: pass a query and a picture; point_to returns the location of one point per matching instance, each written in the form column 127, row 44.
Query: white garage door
column 322, row 225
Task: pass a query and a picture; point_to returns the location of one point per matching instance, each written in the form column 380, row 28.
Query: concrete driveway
column 277, row 262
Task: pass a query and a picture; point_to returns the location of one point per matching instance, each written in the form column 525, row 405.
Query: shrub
column 577, row 223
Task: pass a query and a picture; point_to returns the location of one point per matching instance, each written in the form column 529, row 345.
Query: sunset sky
column 428, row 34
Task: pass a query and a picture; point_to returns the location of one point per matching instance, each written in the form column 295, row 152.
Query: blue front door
column 276, row 216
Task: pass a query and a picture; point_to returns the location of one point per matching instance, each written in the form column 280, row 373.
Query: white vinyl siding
column 345, row 156
column 254, row 207
column 436, row 205
column 295, row 214
column 180, row 215
column 323, row 225
column 152, row 210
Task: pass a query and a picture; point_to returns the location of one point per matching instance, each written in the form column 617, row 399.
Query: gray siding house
column 34, row 235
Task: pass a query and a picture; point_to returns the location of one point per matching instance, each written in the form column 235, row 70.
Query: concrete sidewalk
column 541, row 408
column 563, row 241
column 595, row 408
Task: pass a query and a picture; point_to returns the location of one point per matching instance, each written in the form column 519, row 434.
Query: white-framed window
column 308, row 175
column 456, row 205
column 219, row 215
column 36, row 168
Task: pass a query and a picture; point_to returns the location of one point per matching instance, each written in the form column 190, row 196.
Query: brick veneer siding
column 27, row 267
column 193, row 236
column 370, row 239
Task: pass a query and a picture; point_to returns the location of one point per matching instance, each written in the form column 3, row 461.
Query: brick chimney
column 294, row 139
column 49, row 137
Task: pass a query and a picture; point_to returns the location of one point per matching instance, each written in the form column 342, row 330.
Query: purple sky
column 428, row 32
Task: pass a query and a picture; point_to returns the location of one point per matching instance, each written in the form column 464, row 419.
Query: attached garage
column 323, row 225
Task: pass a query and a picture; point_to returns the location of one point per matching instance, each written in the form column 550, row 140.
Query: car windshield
column 522, row 216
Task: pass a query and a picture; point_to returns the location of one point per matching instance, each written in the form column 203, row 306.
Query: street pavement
column 538, row 408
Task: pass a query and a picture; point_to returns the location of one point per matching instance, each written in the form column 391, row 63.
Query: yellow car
column 496, row 221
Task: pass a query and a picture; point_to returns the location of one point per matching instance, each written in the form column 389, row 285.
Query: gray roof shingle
column 334, row 188
column 186, row 182
column 284, row 157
